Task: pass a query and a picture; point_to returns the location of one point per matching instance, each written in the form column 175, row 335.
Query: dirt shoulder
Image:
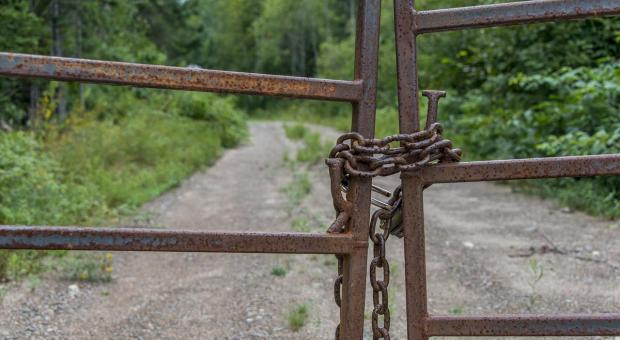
column 481, row 243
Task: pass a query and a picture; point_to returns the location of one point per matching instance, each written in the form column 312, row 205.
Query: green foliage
column 30, row 179
column 278, row 271
column 297, row 317
column 298, row 188
column 536, row 274
column 300, row 224
column 89, row 267
column 97, row 170
column 295, row 132
column 137, row 158
column 221, row 112
column 314, row 149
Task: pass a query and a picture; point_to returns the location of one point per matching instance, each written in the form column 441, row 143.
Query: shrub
column 229, row 121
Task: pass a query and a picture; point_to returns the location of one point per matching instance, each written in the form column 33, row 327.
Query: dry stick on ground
column 550, row 247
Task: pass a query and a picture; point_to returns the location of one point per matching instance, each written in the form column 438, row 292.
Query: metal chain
column 355, row 155
column 338, row 288
column 383, row 218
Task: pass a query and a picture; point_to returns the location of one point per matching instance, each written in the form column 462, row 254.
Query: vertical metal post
column 415, row 257
column 413, row 210
column 407, row 66
column 363, row 121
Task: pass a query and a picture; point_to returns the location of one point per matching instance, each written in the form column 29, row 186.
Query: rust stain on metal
column 524, row 325
column 514, row 13
column 127, row 239
column 69, row 69
column 502, row 170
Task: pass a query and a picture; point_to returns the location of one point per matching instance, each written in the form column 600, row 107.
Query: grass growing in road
column 314, row 149
column 278, row 271
column 300, row 224
column 88, row 267
column 298, row 188
column 536, row 271
column 297, row 317
column 295, row 132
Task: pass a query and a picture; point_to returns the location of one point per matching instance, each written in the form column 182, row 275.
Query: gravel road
column 479, row 238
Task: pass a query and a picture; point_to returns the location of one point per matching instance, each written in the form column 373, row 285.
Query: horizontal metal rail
column 532, row 168
column 524, row 325
column 513, row 13
column 139, row 239
column 179, row 78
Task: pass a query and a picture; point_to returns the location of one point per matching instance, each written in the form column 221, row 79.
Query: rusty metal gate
column 351, row 245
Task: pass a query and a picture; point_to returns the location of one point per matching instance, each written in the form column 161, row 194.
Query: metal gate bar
column 524, row 325
column 363, row 121
column 512, row 13
column 532, row 168
column 409, row 24
column 178, row 78
column 139, row 239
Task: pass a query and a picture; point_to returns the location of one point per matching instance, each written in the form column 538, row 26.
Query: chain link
column 338, row 288
column 357, row 156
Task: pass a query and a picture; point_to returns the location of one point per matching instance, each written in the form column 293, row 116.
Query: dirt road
column 479, row 237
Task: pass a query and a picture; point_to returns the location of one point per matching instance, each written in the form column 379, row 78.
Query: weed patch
column 296, row 131
column 300, row 224
column 278, row 271
column 298, row 189
column 88, row 267
column 297, row 317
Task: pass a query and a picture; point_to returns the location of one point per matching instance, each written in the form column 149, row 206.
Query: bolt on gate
column 351, row 245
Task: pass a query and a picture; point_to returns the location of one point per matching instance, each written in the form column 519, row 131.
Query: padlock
column 394, row 205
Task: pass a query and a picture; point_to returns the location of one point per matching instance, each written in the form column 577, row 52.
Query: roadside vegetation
column 90, row 155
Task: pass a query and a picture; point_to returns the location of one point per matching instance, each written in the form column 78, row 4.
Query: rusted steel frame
column 415, row 258
column 412, row 187
column 363, row 121
column 140, row 239
column 406, row 65
column 179, row 78
column 502, row 170
column 524, row 325
column 513, row 13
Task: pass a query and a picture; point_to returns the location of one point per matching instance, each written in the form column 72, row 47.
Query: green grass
column 297, row 317
column 314, row 150
column 139, row 158
column 278, row 271
column 87, row 267
column 298, row 189
column 96, row 172
column 300, row 224
column 295, row 132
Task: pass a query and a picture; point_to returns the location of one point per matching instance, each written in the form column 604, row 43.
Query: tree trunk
column 33, row 108
column 61, row 110
column 79, row 54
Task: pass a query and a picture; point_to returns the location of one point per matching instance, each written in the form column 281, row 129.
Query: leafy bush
column 92, row 171
column 228, row 120
column 137, row 158
column 34, row 190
